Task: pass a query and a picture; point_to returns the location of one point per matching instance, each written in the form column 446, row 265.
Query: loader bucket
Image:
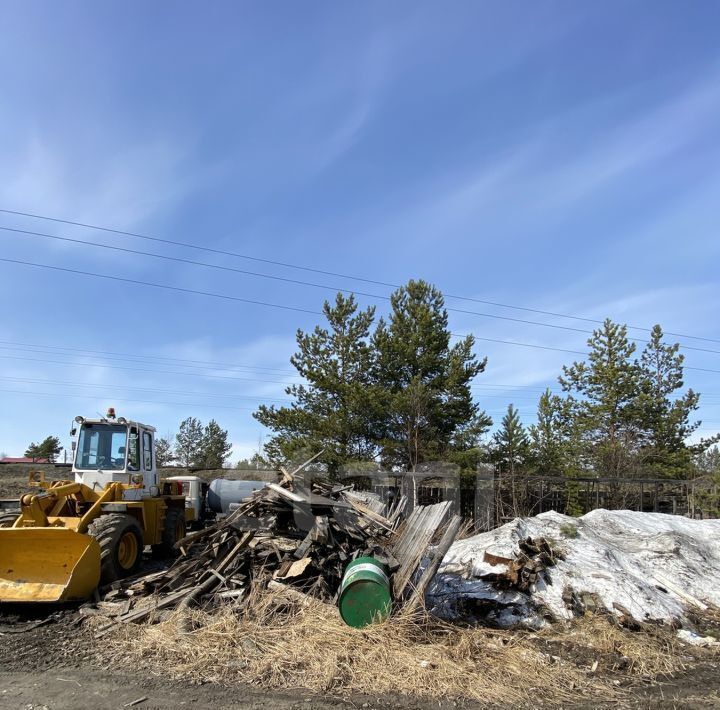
column 47, row 565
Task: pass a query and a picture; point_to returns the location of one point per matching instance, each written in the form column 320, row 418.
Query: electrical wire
column 194, row 363
column 162, row 286
column 193, row 368
column 138, row 369
column 192, row 262
column 194, row 405
column 56, row 383
column 190, row 245
column 273, row 305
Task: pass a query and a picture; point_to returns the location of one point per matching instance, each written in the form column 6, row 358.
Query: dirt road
column 94, row 689
column 71, row 689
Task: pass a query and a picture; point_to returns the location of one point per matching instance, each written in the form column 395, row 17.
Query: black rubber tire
column 109, row 530
column 174, row 529
column 7, row 520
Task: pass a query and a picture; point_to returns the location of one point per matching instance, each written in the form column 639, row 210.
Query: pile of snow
column 648, row 565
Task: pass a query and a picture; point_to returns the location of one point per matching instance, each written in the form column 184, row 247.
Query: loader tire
column 174, row 529
column 121, row 545
column 7, row 520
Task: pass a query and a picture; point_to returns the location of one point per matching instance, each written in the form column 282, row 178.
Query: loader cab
column 114, row 449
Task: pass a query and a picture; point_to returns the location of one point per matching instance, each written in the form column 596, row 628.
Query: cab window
column 147, row 451
column 133, row 463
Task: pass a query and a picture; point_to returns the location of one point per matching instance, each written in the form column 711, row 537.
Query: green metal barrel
column 364, row 592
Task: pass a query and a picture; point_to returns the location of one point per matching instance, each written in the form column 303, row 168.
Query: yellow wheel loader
column 72, row 536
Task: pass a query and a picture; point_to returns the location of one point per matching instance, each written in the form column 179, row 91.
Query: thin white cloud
column 120, row 186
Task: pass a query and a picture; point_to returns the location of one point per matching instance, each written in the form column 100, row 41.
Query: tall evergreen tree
column 511, row 447
column 188, row 442
column 214, row 447
column 422, row 382
column 603, row 399
column 548, row 437
column 164, row 454
column 333, row 411
column 510, row 452
column 666, row 421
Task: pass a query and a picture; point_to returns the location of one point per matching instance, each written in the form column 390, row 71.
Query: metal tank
column 223, row 493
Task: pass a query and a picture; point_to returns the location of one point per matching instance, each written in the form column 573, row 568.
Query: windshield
column 101, row 446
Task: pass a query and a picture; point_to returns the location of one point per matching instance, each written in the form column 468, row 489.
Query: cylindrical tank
column 364, row 592
column 223, row 492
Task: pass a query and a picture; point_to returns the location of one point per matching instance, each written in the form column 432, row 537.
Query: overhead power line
column 36, row 381
column 208, row 363
column 287, row 265
column 519, row 344
column 139, row 369
column 272, row 305
column 138, row 282
column 124, row 399
column 174, row 373
column 42, row 348
column 76, row 352
column 382, row 297
column 233, row 298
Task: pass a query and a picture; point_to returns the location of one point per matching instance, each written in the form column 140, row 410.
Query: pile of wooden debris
column 301, row 532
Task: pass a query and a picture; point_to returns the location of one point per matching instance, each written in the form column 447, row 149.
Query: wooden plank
column 418, row 595
column 372, row 516
column 285, row 493
column 413, row 540
column 137, row 614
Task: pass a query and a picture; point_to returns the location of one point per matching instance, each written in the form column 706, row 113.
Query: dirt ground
column 48, row 662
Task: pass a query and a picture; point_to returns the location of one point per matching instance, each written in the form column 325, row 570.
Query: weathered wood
column 436, row 558
column 375, row 518
column 142, row 612
column 285, row 493
column 304, row 532
column 413, row 540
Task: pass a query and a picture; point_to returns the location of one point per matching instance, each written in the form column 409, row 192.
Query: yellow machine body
column 48, row 555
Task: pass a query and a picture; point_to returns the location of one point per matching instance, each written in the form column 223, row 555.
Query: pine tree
column 605, row 414
column 334, row 409
column 665, row 421
column 549, row 436
column 510, row 452
column 164, row 454
column 422, row 382
column 214, row 447
column 33, row 452
column 511, row 447
column 49, row 448
column 188, row 442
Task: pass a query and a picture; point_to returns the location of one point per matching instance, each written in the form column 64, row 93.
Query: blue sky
column 560, row 156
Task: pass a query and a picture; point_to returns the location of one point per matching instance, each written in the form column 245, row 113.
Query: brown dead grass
column 279, row 642
column 648, row 654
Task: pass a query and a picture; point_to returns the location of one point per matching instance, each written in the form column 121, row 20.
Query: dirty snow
column 653, row 566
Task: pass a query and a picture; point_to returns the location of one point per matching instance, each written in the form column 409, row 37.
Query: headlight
column 137, row 478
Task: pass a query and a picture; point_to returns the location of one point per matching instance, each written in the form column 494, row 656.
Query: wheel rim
column 128, row 550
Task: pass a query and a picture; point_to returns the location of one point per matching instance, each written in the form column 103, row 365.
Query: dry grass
column 651, row 653
column 282, row 643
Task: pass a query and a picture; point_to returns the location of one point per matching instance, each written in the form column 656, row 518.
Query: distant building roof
column 23, row 459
